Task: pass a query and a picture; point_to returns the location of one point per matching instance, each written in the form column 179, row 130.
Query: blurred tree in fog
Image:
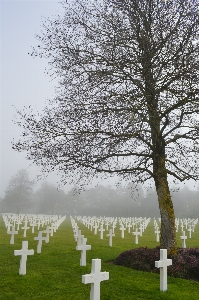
column 75, row 203
column 186, row 203
column 131, row 196
column 101, row 201
column 49, row 199
column 18, row 194
column 129, row 201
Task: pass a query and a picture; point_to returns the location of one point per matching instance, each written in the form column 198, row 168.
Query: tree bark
column 168, row 231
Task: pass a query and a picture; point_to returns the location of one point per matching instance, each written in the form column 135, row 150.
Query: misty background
column 24, row 83
column 98, row 201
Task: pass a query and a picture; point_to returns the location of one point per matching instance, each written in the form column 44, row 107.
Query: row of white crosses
column 101, row 230
column 48, row 231
column 13, row 219
column 24, row 252
column 113, row 225
column 97, row 224
column 189, row 224
column 81, row 242
column 17, row 219
column 96, row 276
column 89, row 222
column 126, row 223
column 13, row 232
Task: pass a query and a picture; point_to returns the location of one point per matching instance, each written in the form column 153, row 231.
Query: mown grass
column 56, row 273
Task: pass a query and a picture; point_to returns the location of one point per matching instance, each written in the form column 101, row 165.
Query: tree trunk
column 168, row 230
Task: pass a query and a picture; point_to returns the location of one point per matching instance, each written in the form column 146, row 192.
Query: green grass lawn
column 56, row 273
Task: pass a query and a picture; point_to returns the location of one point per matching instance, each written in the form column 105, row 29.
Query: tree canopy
column 127, row 101
column 18, row 193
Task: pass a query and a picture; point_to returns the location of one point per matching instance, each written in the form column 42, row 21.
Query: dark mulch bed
column 185, row 264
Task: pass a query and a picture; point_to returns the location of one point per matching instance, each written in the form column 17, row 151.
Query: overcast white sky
column 23, row 81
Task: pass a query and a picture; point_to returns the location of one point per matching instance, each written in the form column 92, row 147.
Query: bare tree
column 18, row 193
column 127, row 99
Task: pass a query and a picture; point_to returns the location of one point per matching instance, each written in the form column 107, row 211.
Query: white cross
column 79, row 237
column 163, row 263
column 12, row 232
column 145, row 224
column 185, row 224
column 83, row 247
column 129, row 228
column 113, row 227
column 183, row 238
column 24, row 252
column 110, row 235
column 75, row 232
column 101, row 230
column 38, row 224
column 8, row 226
column 18, row 223
column 25, row 228
column 95, row 278
column 47, row 231
column 54, row 227
column 106, row 224
column 51, row 229
column 157, row 232
column 190, row 230
column 95, row 228
column 39, row 238
column 136, row 233
column 140, row 229
column 91, row 226
column 33, row 227
column 75, row 228
column 133, row 224
column 122, row 228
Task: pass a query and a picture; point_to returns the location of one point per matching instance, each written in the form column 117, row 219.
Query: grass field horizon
column 56, row 272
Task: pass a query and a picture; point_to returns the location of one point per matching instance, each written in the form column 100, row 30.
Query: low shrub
column 185, row 264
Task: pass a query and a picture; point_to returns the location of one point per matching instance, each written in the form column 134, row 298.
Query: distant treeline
column 103, row 201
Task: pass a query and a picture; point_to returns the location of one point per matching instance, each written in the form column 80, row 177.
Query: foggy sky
column 23, row 81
